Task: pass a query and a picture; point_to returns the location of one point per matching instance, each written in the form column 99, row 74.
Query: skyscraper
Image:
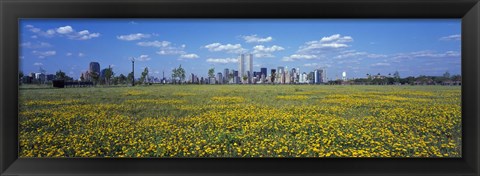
column 263, row 71
column 94, row 68
column 273, row 73
column 226, row 75
column 241, row 65
column 219, row 77
column 250, row 63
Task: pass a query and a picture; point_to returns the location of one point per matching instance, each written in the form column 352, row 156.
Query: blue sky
column 412, row 47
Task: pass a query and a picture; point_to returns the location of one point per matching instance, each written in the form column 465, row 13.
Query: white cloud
column 68, row 54
column 262, row 51
column 255, row 39
column 38, row 64
column 65, row 29
column 426, row 54
column 335, row 41
column 188, row 56
column 44, row 54
column 261, row 48
column 131, row 37
column 316, row 65
column 356, row 54
column 143, row 58
column 165, row 47
column 34, row 36
column 222, row 60
column 294, row 57
column 380, row 64
column 229, row 48
column 81, row 54
column 451, row 37
column 35, row 45
column 155, row 43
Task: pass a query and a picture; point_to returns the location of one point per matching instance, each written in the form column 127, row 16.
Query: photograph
column 239, row 88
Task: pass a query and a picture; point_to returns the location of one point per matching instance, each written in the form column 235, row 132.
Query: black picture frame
column 467, row 10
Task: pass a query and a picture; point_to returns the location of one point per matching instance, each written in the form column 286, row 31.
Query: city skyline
column 358, row 47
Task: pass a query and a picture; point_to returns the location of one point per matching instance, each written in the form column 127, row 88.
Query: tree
column 181, row 73
column 122, row 79
column 108, row 75
column 95, row 76
column 245, row 77
column 211, row 72
column 396, row 76
column 60, row 75
column 82, row 78
column 174, row 75
column 130, row 77
column 144, row 75
column 446, row 75
column 20, row 76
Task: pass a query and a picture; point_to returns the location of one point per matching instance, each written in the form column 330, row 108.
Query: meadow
column 241, row 121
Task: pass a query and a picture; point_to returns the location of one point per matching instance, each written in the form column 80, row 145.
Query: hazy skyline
column 412, row 47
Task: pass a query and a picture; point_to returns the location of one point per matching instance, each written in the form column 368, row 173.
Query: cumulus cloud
column 36, row 45
column 427, row 54
column 380, row 64
column 222, row 60
column 143, row 58
column 155, row 43
column 44, row 54
column 229, row 48
column 188, row 56
column 295, row 57
column 335, row 41
column 261, row 48
column 81, row 54
column 64, row 31
column 451, row 37
column 131, row 37
column 68, row 54
column 165, row 47
column 263, row 51
column 255, row 39
column 38, row 64
column 356, row 54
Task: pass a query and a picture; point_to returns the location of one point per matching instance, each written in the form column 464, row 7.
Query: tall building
column 241, row 65
column 250, row 63
column 94, row 67
column 236, row 78
column 280, row 70
column 263, row 71
column 226, row 75
column 344, row 76
column 319, row 76
column 273, row 73
column 219, row 77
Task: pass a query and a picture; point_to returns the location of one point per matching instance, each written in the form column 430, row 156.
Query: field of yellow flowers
column 241, row 121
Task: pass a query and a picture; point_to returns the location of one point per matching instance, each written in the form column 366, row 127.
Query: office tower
column 226, row 75
column 263, row 71
column 316, row 76
column 272, row 75
column 241, row 65
column 280, row 70
column 219, row 77
column 94, row 68
column 236, row 78
column 250, row 63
